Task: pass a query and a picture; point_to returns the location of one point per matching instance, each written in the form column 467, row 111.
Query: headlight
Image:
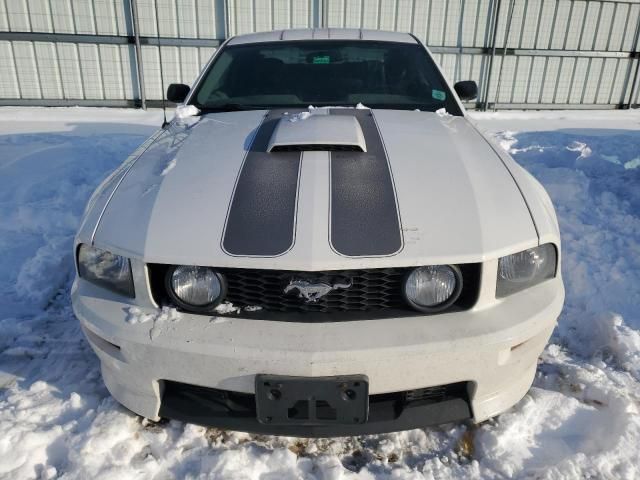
column 525, row 269
column 105, row 269
column 195, row 288
column 433, row 288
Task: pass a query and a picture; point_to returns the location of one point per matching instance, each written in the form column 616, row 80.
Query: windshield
column 324, row 73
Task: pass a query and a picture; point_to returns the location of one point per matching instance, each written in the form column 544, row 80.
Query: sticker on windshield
column 438, row 95
column 322, row 60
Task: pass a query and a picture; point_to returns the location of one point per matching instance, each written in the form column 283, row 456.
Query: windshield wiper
column 230, row 107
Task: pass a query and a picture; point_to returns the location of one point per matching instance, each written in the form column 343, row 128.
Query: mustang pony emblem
column 312, row 292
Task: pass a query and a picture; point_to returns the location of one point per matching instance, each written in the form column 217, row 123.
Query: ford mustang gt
column 319, row 243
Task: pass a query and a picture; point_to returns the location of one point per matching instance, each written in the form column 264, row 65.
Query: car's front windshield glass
column 323, row 73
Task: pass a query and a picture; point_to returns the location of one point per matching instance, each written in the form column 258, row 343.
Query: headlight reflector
column 433, row 288
column 105, row 269
column 525, row 269
column 195, row 288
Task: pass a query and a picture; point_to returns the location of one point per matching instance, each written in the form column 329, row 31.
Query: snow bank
column 57, row 420
column 597, row 198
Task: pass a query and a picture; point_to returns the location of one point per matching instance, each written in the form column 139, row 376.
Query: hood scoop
column 317, row 132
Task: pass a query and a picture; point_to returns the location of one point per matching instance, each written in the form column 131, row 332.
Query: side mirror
column 177, row 92
column 466, row 90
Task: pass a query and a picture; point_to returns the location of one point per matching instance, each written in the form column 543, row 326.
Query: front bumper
column 494, row 349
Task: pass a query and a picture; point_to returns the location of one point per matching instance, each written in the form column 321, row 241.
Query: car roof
column 323, row 34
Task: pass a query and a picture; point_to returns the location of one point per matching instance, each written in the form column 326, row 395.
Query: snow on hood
column 456, row 200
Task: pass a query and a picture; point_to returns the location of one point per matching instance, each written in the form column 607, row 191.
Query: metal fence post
column 636, row 55
column 133, row 6
column 507, row 32
column 494, row 34
column 323, row 11
column 634, row 84
column 227, row 19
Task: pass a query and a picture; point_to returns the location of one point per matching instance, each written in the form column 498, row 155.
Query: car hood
column 428, row 190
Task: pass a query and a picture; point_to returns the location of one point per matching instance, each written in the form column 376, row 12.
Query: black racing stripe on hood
column 261, row 220
column 364, row 218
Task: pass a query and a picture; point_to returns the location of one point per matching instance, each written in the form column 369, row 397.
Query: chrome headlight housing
column 196, row 289
column 105, row 269
column 525, row 269
column 433, row 288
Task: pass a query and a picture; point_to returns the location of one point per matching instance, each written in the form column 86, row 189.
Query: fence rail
column 523, row 53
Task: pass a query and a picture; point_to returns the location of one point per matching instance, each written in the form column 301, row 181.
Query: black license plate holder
column 284, row 400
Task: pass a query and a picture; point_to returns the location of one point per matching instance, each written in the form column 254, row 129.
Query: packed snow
column 579, row 420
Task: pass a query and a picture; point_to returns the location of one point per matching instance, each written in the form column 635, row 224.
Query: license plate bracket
column 284, row 400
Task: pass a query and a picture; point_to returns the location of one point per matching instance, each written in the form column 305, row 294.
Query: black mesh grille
column 373, row 289
column 317, row 148
column 435, row 394
column 360, row 294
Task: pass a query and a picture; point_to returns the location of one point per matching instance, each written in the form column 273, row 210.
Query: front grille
column 373, row 289
column 360, row 294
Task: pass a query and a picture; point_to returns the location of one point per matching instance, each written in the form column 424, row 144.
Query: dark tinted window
column 298, row 74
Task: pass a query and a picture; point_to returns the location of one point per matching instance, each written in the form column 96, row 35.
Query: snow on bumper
column 496, row 348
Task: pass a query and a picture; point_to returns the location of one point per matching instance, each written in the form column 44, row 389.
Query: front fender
column 100, row 198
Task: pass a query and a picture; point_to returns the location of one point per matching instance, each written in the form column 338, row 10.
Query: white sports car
column 372, row 263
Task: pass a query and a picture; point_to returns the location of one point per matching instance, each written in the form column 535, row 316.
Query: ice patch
column 299, row 116
column 187, row 111
column 631, row 164
column 611, row 158
column 162, row 322
column 226, row 308
column 506, row 139
column 25, row 352
column 135, row 316
column 170, row 166
column 583, row 148
column 161, row 319
column 311, row 110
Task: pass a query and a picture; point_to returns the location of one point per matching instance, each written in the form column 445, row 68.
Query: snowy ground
column 580, row 420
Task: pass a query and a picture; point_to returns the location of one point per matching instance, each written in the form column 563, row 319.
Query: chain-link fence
column 523, row 53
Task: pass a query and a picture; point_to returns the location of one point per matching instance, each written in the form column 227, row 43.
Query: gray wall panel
column 18, row 13
column 69, row 64
column 182, row 18
column 247, row 16
column 109, row 17
column 27, row 69
column 40, row 16
column 178, row 65
column 111, row 67
column 9, row 87
column 91, row 71
column 48, row 73
column 547, row 51
column 62, row 15
column 4, row 19
column 83, row 16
